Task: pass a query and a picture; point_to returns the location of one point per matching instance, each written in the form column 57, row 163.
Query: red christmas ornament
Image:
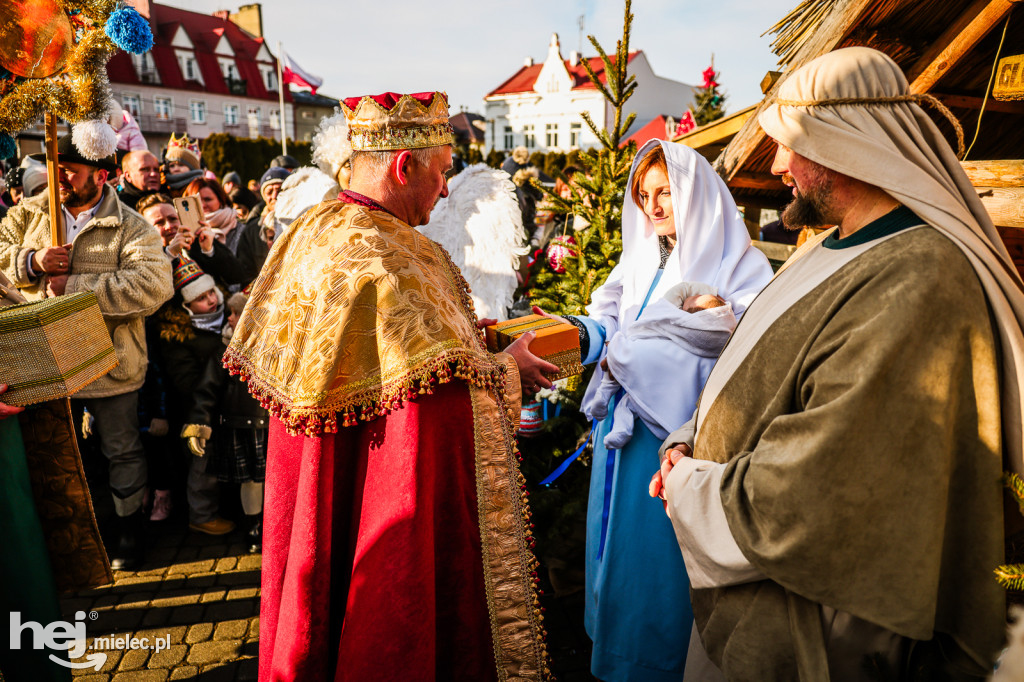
column 709, row 77
column 560, row 248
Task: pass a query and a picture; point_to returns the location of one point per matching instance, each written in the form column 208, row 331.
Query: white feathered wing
column 481, row 226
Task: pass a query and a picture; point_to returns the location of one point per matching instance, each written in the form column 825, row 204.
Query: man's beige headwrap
column 894, row 145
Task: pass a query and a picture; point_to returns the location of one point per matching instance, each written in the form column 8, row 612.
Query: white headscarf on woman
column 662, row 375
column 869, row 128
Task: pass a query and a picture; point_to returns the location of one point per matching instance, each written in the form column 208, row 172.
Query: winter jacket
column 223, row 400
column 118, row 256
column 184, row 351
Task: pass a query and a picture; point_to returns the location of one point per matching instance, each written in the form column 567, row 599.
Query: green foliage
column 1011, row 577
column 537, row 159
column 473, row 155
column 248, row 157
column 598, row 193
column 709, row 103
column 554, row 162
column 494, row 158
column 1015, row 484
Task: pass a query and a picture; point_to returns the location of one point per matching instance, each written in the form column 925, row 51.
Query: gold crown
column 391, row 121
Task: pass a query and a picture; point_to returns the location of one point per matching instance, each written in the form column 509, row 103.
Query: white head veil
column 712, row 247
column 878, row 134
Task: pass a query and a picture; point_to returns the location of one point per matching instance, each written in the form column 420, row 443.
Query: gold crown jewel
column 183, row 142
column 411, row 122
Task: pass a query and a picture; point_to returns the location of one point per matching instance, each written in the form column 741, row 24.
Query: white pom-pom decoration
column 331, row 147
column 94, row 139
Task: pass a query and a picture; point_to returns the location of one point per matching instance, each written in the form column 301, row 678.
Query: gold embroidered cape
column 354, row 313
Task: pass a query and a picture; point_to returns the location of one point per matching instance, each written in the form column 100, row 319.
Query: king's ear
column 400, row 165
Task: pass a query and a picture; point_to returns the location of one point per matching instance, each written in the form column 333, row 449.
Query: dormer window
column 191, row 69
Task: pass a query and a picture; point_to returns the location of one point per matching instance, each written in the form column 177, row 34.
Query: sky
column 469, row 47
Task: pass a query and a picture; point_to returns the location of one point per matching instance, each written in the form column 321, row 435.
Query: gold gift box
column 53, row 348
column 557, row 342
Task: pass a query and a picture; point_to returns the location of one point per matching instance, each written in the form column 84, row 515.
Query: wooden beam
column 990, row 174
column 758, row 181
column 1004, row 204
column 774, row 250
column 829, row 35
column 956, row 41
column 971, row 102
column 769, row 81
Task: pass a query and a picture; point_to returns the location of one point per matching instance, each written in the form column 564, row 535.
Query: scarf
column 222, row 222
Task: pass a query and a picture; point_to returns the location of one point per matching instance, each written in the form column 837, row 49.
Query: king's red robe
column 396, row 544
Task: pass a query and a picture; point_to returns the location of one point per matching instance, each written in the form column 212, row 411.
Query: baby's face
column 693, row 304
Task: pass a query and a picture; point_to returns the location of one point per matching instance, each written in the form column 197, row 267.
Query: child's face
column 206, row 303
column 233, row 319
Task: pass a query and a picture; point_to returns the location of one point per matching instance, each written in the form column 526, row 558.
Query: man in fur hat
column 396, row 541
column 837, row 496
column 114, row 253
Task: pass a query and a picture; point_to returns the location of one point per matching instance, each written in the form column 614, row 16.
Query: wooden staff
column 56, row 219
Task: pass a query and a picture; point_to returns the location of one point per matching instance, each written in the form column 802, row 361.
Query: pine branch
column 1011, row 577
column 1016, row 486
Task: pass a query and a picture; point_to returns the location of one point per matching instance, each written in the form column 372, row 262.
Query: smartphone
column 190, row 212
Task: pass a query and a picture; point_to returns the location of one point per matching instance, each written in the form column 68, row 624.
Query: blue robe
column 638, row 611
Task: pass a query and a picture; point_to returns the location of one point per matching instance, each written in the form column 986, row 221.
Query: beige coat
column 118, row 256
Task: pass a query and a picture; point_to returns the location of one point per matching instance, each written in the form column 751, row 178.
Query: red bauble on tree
column 561, row 247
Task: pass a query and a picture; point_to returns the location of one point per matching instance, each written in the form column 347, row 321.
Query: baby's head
column 199, row 292
column 698, row 302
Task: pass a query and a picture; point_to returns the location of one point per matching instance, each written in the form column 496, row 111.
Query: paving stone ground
column 198, row 595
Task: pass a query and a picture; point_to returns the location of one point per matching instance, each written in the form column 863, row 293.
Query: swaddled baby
column 689, row 320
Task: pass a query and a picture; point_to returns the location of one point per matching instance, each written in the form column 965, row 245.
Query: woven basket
column 53, row 348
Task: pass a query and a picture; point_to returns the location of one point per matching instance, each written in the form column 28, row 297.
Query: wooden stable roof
column 711, row 138
column 947, row 49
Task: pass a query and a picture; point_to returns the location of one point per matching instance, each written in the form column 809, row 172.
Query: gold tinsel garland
column 80, row 92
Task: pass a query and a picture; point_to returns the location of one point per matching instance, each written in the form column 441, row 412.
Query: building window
column 551, row 135
column 191, row 69
column 275, row 119
column 230, row 71
column 307, row 114
column 230, row 114
column 145, row 68
column 574, row 134
column 197, row 110
column 270, row 78
column 162, row 107
column 510, row 138
column 132, row 104
column 529, row 137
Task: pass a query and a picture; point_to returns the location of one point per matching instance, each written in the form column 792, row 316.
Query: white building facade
column 541, row 106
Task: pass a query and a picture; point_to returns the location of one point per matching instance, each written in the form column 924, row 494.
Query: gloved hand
column 196, row 436
column 158, row 427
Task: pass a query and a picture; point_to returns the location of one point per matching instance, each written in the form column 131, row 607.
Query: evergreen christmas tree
column 709, row 102
column 582, row 259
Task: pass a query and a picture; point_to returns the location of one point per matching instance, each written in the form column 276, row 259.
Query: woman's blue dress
column 638, row 611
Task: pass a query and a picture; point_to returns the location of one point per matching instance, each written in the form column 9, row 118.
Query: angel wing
column 481, row 226
column 302, row 189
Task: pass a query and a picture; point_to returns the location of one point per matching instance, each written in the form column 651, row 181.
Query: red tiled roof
column 205, row 31
column 524, row 79
column 655, row 130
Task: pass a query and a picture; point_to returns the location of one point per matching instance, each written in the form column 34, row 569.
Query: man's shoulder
column 922, row 253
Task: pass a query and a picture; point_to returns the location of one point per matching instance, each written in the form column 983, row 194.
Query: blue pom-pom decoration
column 7, row 147
column 129, row 30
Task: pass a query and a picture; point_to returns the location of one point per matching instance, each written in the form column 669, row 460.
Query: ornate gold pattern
column 402, row 138
column 355, row 315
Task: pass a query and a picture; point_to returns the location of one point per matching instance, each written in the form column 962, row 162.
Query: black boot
column 255, row 534
column 126, row 555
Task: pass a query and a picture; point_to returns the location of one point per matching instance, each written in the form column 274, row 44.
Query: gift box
column 52, row 348
column 557, row 342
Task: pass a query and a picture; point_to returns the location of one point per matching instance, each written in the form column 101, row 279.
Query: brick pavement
column 199, row 594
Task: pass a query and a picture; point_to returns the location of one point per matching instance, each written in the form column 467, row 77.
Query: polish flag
column 293, row 73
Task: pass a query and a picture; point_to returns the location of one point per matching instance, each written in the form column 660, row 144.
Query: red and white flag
column 293, row 73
